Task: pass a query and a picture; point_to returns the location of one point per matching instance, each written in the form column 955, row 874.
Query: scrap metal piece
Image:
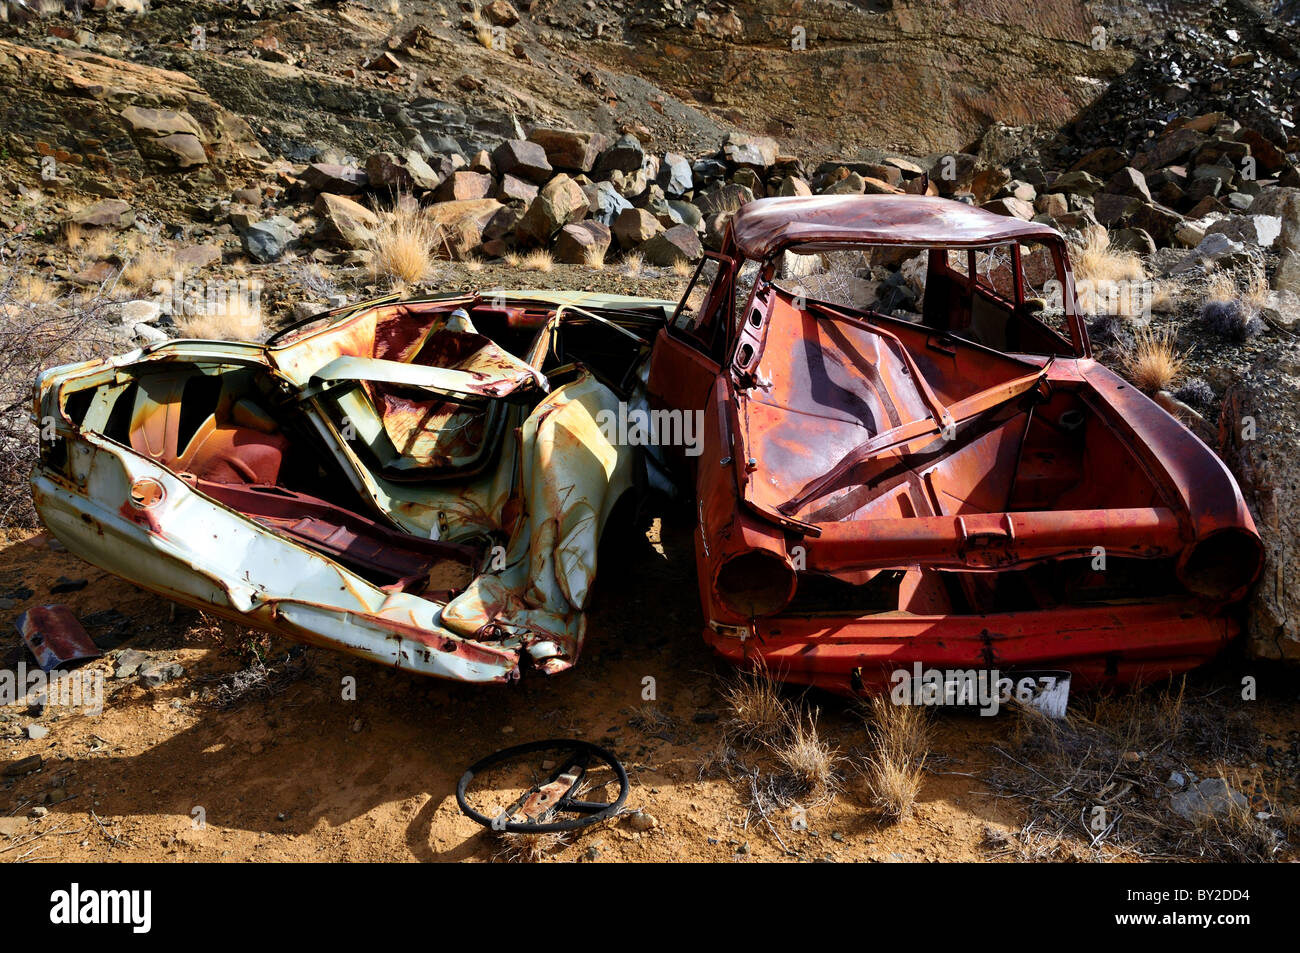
column 55, row 637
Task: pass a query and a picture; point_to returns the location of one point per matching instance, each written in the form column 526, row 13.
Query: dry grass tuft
column 758, row 714
column 895, row 769
column 539, row 259
column 683, row 268
column 147, row 268
column 486, row 38
column 633, row 264
column 402, row 245
column 805, row 758
column 1095, row 260
column 1167, row 297
column 1153, row 364
column 34, row 290
column 237, row 319
column 594, row 258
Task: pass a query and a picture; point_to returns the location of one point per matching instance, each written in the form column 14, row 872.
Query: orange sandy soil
column 307, row 776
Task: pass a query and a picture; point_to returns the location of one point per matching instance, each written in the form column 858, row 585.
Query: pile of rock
column 1205, row 185
column 1213, row 190
column 579, row 194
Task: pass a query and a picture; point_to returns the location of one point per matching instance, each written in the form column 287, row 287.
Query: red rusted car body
column 961, row 487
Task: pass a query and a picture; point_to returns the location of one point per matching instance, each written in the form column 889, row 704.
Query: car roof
column 766, row 225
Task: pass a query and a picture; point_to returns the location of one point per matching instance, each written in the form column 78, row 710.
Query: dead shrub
column 36, row 332
column 1231, row 312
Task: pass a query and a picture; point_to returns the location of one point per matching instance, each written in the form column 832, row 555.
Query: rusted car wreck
column 909, row 456
column 960, row 487
column 419, row 483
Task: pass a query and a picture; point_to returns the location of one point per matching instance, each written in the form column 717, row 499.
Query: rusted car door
column 689, row 349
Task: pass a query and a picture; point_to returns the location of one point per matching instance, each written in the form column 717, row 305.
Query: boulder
column 110, row 213
column 466, row 221
column 1287, row 277
column 1259, row 230
column 501, row 13
column 560, row 202
column 677, row 244
column 464, row 186
column 515, row 189
column 741, row 149
column 331, row 177
column 851, row 184
column 793, row 185
column 1053, row 204
column 407, row 173
column 1075, row 183
column 687, row 213
column 582, row 243
column 180, row 149
column 1102, row 162
column 635, row 226
column 675, row 176
column 604, row 204
column 1285, row 204
column 629, row 184
column 625, row 155
column 345, row 220
column 1129, row 181
column 569, row 149
column 524, row 159
column 1111, row 209
column 1156, row 220
column 1170, row 147
column 1209, row 799
column 1012, row 207
column 269, row 238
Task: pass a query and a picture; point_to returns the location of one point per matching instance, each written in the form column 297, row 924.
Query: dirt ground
column 305, row 775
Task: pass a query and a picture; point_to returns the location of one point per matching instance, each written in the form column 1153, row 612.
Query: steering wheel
column 557, row 783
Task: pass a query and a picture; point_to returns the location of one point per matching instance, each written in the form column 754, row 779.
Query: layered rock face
column 113, row 117
column 901, row 75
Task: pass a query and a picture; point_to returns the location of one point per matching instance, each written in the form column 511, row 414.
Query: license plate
column 1047, row 692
